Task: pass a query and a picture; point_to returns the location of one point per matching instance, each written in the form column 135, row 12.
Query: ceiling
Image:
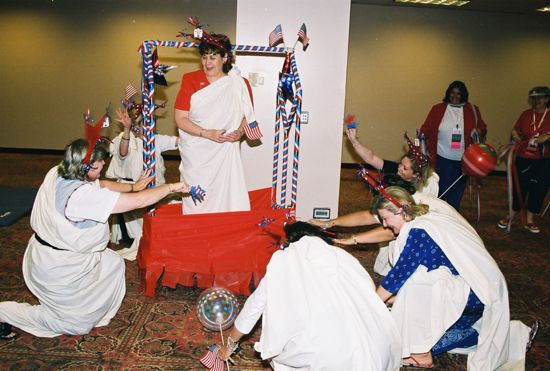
column 492, row 6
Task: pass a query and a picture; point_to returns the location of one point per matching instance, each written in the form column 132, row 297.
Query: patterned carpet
column 163, row 333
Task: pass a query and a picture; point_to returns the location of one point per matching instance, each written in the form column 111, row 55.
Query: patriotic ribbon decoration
column 197, row 194
column 92, row 133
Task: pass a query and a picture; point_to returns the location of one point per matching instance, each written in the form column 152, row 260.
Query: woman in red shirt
column 532, row 133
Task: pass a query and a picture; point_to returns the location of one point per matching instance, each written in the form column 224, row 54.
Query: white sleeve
column 252, row 310
column 91, row 202
column 165, row 142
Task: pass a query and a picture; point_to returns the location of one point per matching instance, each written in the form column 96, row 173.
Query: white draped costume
column 128, row 169
column 430, row 302
column 216, row 167
column 382, row 264
column 320, row 311
column 82, row 285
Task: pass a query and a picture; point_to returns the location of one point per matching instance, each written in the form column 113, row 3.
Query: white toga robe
column 433, row 301
column 216, row 167
column 320, row 311
column 79, row 287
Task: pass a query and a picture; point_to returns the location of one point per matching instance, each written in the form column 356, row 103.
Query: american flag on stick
column 130, row 91
column 211, row 360
column 252, row 131
column 276, row 36
column 302, row 36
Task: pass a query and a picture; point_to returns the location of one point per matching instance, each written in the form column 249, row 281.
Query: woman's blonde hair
column 422, row 173
column 410, row 208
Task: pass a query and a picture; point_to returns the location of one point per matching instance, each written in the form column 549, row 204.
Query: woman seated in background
column 77, row 280
column 449, row 292
column 413, row 166
column 319, row 310
column 126, row 167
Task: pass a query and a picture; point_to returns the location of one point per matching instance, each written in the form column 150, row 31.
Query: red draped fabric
column 220, row 249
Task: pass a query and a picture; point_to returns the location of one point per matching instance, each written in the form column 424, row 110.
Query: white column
column 322, row 69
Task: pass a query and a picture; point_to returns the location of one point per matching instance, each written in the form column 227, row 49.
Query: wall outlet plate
column 304, row 117
column 321, row 213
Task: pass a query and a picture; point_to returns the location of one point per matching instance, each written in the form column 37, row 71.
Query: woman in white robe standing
column 319, row 310
column 212, row 108
column 449, row 292
column 78, row 281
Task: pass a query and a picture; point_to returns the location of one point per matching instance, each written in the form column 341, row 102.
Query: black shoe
column 5, row 331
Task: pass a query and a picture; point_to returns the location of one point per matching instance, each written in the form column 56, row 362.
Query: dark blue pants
column 449, row 171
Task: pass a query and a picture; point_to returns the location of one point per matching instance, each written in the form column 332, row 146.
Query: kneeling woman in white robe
column 78, row 281
column 449, row 291
column 319, row 310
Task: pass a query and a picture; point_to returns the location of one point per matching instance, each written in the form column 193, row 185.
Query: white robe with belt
column 79, row 287
column 216, row 167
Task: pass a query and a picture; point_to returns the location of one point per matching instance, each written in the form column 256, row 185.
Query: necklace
column 535, row 126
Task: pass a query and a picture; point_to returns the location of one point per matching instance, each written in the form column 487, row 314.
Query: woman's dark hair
column 461, row 87
column 207, row 48
column 71, row 167
column 395, row 180
column 297, row 230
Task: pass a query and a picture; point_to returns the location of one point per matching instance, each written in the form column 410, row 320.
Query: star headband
column 420, row 158
column 374, row 180
column 92, row 133
column 204, row 37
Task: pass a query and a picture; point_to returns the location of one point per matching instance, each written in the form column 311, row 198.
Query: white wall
column 322, row 69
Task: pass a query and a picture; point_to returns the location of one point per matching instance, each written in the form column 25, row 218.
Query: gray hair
column 72, row 167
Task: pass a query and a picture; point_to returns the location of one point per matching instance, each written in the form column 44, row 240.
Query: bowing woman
column 319, row 310
column 449, row 292
column 77, row 280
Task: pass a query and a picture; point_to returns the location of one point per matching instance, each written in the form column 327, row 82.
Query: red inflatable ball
column 479, row 160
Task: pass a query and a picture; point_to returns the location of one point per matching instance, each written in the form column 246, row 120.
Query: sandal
column 5, row 331
column 532, row 227
column 412, row 362
column 532, row 334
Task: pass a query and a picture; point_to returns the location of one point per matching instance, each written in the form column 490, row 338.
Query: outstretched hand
column 123, row 118
column 143, row 181
column 180, row 187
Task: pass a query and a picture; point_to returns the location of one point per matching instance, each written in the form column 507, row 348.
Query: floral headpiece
column 204, row 37
column 374, row 180
column 92, row 133
column 420, row 158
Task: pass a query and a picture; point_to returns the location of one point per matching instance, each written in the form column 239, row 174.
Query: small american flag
column 211, row 360
column 276, row 36
column 302, row 35
column 252, row 131
column 129, row 92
